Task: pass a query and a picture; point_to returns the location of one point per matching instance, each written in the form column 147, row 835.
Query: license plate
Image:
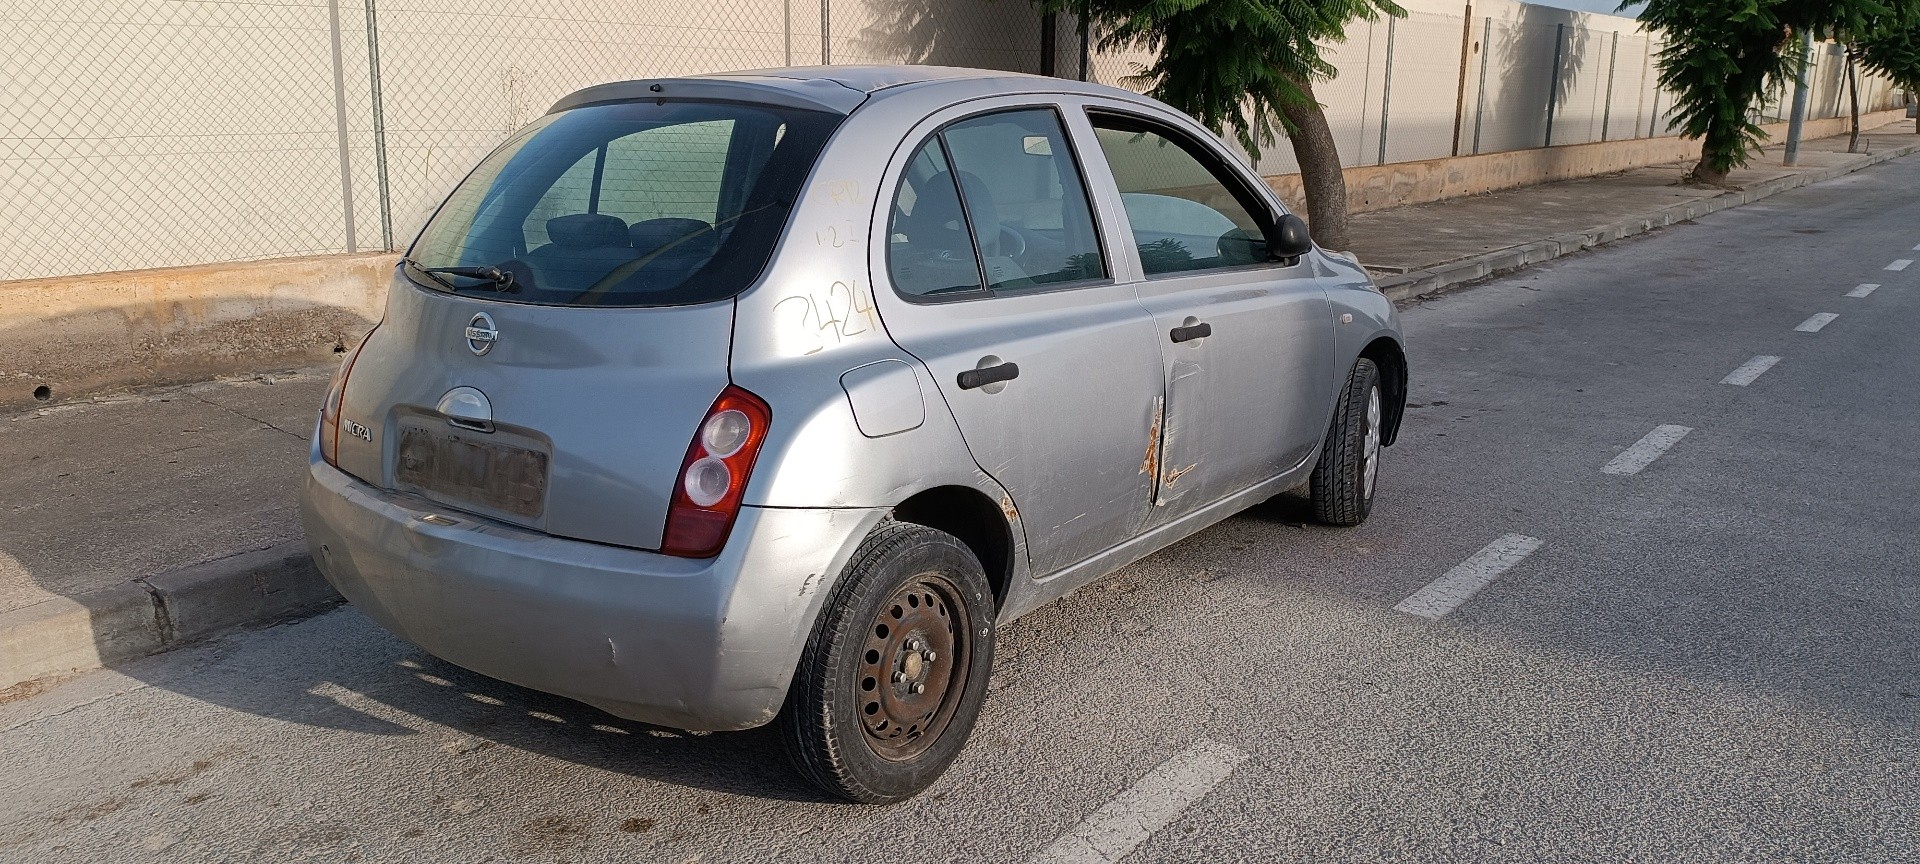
column 470, row 469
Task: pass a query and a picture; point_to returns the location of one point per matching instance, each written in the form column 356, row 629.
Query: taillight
column 714, row 475
column 330, row 409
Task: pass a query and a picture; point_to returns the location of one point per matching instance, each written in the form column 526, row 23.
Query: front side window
column 1187, row 211
column 993, row 205
column 627, row 204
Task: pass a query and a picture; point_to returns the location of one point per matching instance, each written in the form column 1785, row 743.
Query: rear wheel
column 1343, row 481
column 895, row 671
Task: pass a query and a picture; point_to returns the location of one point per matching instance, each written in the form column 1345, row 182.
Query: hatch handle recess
column 467, row 408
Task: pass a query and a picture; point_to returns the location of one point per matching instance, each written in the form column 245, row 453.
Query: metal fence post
column 1613, row 65
column 379, row 128
column 1386, row 93
column 1480, row 98
column 1553, row 90
column 340, row 125
column 1049, row 44
column 786, row 21
column 1460, row 93
column 826, row 32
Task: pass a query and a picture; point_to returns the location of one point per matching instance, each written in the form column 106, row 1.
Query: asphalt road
column 1714, row 657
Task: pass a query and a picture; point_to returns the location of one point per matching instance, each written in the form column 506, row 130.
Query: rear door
column 1000, row 284
column 1246, row 341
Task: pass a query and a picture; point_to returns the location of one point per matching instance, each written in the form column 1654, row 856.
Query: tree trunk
column 1320, row 175
column 1704, row 174
column 1853, row 100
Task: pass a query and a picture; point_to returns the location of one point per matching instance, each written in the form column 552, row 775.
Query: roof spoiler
column 806, row 94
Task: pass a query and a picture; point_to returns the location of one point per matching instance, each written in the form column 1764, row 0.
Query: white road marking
column 1149, row 805
column 1751, row 370
column 1901, row 264
column 1446, row 593
column 1864, row 289
column 1645, row 450
column 1813, row 325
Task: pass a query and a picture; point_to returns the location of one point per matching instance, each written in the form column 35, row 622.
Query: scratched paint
column 1150, row 466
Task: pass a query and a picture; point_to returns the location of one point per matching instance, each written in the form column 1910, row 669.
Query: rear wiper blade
column 496, row 278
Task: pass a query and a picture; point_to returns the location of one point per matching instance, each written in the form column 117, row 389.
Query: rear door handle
column 975, row 378
column 1191, row 332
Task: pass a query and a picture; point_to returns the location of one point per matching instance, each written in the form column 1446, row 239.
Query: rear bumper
column 691, row 644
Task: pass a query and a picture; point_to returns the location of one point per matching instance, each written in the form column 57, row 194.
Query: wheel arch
column 977, row 520
column 1391, row 360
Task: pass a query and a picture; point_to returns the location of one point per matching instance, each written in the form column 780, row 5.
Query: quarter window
column 993, row 204
column 1187, row 210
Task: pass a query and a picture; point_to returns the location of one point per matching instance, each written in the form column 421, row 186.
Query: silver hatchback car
column 765, row 397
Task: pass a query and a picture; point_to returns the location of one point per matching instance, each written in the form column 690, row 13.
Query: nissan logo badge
column 481, row 334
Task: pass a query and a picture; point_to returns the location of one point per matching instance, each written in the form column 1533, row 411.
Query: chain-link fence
column 151, row 133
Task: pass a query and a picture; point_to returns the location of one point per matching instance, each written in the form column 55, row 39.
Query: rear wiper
column 497, row 279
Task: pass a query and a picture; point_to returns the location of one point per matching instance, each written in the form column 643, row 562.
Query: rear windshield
column 625, row 204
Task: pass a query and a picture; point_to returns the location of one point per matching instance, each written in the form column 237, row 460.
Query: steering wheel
column 1018, row 245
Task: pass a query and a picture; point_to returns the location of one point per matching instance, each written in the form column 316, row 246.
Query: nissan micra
column 766, row 397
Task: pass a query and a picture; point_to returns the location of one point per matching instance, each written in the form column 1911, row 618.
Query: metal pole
column 1049, row 46
column 1613, row 65
column 340, row 124
column 379, row 128
column 1553, row 90
column 826, row 32
column 1460, row 94
column 1480, row 99
column 1797, row 122
column 786, row 8
column 1086, row 45
column 1386, row 93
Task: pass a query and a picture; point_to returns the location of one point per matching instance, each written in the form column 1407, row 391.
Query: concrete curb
column 61, row 637
column 1419, row 283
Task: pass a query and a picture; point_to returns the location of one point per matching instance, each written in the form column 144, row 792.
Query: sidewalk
column 1426, row 247
column 136, row 522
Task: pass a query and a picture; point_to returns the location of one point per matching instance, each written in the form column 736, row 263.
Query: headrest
column 689, row 237
column 587, row 230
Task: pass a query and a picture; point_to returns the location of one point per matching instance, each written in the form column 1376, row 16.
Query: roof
column 832, row 88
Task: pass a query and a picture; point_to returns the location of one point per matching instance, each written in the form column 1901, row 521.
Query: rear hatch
column 561, row 327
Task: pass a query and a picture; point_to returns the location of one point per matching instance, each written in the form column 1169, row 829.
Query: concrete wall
column 81, row 334
column 1377, row 187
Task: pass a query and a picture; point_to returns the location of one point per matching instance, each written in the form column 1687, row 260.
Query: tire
column 1343, row 482
column 853, row 723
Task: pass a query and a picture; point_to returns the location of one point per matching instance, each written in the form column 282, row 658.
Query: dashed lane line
column 1446, row 593
column 1645, row 450
column 1813, row 324
column 1150, row 804
column 1864, row 289
column 1901, row 264
column 1750, row 370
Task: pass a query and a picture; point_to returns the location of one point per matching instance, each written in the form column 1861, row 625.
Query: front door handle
column 976, row 378
column 1191, row 332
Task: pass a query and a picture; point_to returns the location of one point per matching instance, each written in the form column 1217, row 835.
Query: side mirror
column 1291, row 238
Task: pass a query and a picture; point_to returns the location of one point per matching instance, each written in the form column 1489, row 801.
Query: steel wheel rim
column 1371, row 467
column 913, row 667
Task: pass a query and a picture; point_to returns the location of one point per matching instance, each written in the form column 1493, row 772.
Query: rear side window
column 627, row 204
column 1187, row 210
column 993, row 204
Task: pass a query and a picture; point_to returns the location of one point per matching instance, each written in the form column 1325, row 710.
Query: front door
column 1000, row 285
column 1247, row 340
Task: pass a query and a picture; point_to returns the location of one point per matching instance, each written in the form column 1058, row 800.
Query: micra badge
column 357, row 430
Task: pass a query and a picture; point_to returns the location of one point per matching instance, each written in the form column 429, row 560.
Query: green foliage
column 1721, row 55
column 1230, row 63
column 1893, row 47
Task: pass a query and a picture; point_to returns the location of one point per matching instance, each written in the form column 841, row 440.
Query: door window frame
column 986, row 293
column 1224, row 169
